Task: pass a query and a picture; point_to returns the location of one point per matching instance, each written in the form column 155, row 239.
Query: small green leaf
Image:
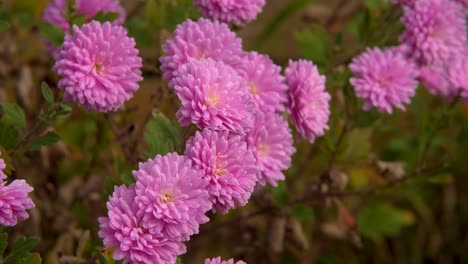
column 380, row 219
column 79, row 20
column 102, row 259
column 179, row 260
column 3, row 243
column 47, row 140
column 315, row 45
column 106, row 17
column 8, row 134
column 4, row 25
column 303, row 212
column 15, row 114
column 47, row 93
column 442, row 178
column 52, row 33
column 280, row 194
column 22, row 247
column 34, row 258
column 162, row 135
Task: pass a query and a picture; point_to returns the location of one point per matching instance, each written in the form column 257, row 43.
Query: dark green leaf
column 179, row 260
column 289, row 10
column 79, row 20
column 4, row 25
column 8, row 134
column 52, row 33
column 14, row 114
column 3, row 243
column 106, row 17
column 380, row 219
column 102, row 259
column 47, row 140
column 303, row 212
column 22, row 247
column 280, row 194
column 34, row 258
column 314, row 45
column 161, row 135
column 47, row 93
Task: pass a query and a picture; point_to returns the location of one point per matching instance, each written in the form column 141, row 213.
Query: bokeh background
column 376, row 188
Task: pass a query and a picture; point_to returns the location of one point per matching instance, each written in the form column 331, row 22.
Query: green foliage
column 172, row 13
column 4, row 26
column 52, row 33
column 162, row 135
column 3, row 243
column 379, row 219
column 106, row 16
column 280, row 194
column 15, row 114
column 21, row 251
column 48, row 139
column 303, row 213
column 47, row 93
column 8, row 135
column 315, row 45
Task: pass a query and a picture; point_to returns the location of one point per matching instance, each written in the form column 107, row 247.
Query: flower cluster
column 237, row 12
column 99, row 66
column 433, row 50
column 14, row 199
column 148, row 221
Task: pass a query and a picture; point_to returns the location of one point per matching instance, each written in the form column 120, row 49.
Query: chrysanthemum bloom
column 272, row 145
column 385, row 79
column 228, row 165
column 196, row 40
column 99, row 66
column 172, row 196
column 14, row 200
column 55, row 11
column 458, row 76
column 122, row 229
column 435, row 30
column 309, row 102
column 237, row 12
column 213, row 96
column 435, row 78
column 219, row 261
column 264, row 80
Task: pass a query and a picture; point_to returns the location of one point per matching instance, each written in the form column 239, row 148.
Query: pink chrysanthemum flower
column 196, row 40
column 458, row 76
column 55, row 11
column 435, row 79
column 272, row 145
column 218, row 260
column 172, row 196
column 99, row 66
column 14, row 199
column 385, row 79
column 309, row 105
column 213, row 96
column 237, row 12
column 264, row 79
column 435, row 30
column 228, row 165
column 123, row 230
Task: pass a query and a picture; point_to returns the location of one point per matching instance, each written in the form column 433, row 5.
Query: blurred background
column 376, row 188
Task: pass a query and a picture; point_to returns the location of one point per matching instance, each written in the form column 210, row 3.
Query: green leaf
column 179, row 260
column 280, row 194
column 3, row 243
column 315, row 45
column 78, row 20
column 8, row 134
column 22, row 247
column 52, row 33
column 162, row 135
column 378, row 219
column 303, row 212
column 287, row 11
column 47, row 140
column 106, row 16
column 34, row 258
column 443, row 178
column 4, row 25
column 47, row 93
column 102, row 259
column 14, row 114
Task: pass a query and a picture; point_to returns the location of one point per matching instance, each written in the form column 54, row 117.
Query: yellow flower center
column 98, row 67
column 166, row 198
column 253, row 88
column 213, row 99
column 263, row 149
